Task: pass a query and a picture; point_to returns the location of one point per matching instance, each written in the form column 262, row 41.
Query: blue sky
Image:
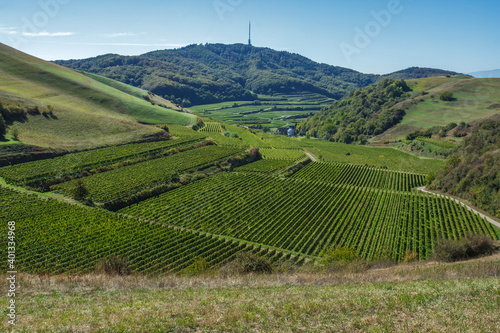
column 371, row 36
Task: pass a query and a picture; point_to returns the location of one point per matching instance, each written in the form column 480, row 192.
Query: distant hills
column 52, row 106
column 211, row 73
column 487, row 74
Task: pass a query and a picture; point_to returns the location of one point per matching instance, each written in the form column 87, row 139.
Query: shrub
column 15, row 133
column 114, row 265
column 248, row 262
column 446, row 96
column 468, row 247
column 336, row 254
column 199, row 266
column 410, row 256
column 340, row 258
column 165, row 128
column 430, row 178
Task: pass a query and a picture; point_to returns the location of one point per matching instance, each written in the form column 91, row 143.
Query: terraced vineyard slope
column 362, row 176
column 308, row 216
column 56, row 237
column 25, row 172
column 110, row 185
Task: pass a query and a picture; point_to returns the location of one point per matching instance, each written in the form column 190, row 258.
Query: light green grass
column 381, row 157
column 89, row 113
column 474, row 98
column 128, row 89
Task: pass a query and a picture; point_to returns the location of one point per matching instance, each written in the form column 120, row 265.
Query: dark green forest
column 210, row 73
column 473, row 173
column 365, row 112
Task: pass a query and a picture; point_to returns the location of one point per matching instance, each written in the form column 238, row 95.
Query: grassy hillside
column 430, row 297
column 85, row 112
column 474, row 99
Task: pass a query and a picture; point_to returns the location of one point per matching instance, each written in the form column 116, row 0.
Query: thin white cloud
column 129, row 44
column 8, row 30
column 123, row 34
column 47, row 34
column 15, row 31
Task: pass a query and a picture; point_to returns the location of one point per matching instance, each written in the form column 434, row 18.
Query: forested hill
column 365, row 112
column 210, row 73
column 473, row 173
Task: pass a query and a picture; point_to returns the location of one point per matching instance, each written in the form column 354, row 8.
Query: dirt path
column 312, row 157
column 489, row 219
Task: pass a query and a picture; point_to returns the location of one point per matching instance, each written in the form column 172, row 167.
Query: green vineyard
column 306, row 216
column 56, row 237
column 265, row 166
column 282, row 154
column 113, row 184
column 212, row 127
column 223, row 140
column 185, row 132
column 69, row 163
column 356, row 175
column 183, row 199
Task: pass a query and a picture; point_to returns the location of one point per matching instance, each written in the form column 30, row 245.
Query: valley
column 125, row 169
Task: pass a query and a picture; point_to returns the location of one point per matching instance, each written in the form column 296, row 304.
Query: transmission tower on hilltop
column 250, row 33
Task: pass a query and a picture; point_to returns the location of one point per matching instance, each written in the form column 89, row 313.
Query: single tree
column 79, row 190
column 3, row 127
column 15, row 133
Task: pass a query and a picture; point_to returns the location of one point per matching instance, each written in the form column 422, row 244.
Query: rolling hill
column 474, row 100
column 52, row 106
column 213, row 73
column 392, row 109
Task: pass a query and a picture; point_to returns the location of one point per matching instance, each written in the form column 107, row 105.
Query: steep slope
column 473, row 99
column 473, row 173
column 53, row 106
column 210, row 73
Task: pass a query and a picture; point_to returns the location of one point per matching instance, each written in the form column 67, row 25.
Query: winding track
column 492, row 221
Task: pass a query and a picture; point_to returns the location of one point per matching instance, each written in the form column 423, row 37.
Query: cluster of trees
column 473, row 173
column 365, row 112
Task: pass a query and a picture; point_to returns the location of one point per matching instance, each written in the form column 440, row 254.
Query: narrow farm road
column 492, row 221
column 311, row 157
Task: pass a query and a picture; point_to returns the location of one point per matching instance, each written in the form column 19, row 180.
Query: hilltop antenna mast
column 249, row 33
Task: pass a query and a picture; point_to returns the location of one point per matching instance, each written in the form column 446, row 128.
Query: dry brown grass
column 418, row 297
